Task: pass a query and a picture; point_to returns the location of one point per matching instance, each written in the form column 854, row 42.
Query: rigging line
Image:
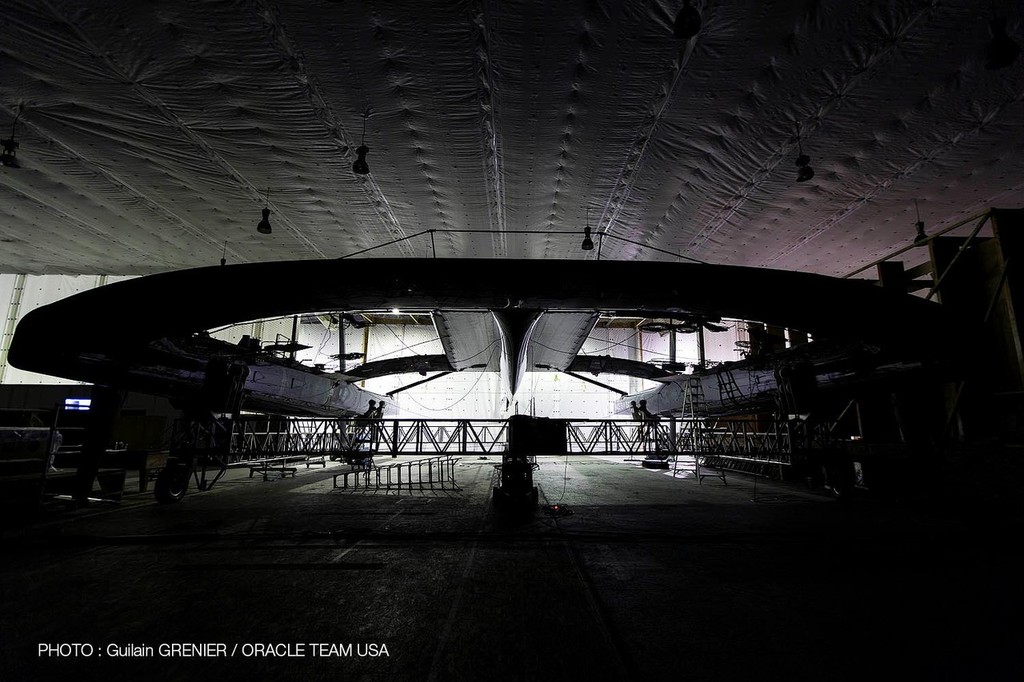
column 464, row 396
column 264, row 320
column 597, row 350
column 405, row 347
column 477, row 354
column 325, row 337
column 565, row 479
column 617, row 343
column 556, row 350
column 400, row 340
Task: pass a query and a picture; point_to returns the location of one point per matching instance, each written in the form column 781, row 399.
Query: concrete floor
column 652, row 578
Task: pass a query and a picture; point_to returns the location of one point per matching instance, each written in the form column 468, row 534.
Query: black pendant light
column 359, row 166
column 1003, row 50
column 264, row 225
column 921, row 238
column 687, row 23
column 804, row 172
column 588, row 242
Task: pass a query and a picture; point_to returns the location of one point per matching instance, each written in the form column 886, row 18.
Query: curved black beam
column 605, row 364
column 403, row 365
column 121, row 317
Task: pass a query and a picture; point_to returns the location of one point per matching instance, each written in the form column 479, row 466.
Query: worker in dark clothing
column 651, row 424
column 638, row 416
column 365, row 431
column 377, row 425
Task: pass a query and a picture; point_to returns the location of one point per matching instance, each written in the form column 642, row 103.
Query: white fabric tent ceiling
column 151, row 130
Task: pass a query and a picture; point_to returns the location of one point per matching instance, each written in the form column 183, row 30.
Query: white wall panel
column 41, row 290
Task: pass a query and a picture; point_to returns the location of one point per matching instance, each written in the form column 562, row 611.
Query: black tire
column 172, row 483
column 533, row 496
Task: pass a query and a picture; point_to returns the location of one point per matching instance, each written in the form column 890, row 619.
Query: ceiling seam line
column 490, row 134
column 117, row 181
column 624, row 182
column 171, row 118
column 738, row 199
column 828, row 223
column 70, row 217
column 322, row 111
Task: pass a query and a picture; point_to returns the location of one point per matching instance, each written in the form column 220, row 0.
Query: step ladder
column 691, row 443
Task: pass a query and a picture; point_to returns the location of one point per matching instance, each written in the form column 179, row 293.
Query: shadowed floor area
column 653, row 577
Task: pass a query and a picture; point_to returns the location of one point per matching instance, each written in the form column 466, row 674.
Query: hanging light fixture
column 805, row 172
column 1003, row 50
column 359, row 166
column 687, row 23
column 9, row 156
column 921, row 239
column 588, row 242
column 264, row 225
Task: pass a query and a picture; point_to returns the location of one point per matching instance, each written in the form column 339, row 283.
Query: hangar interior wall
column 478, row 395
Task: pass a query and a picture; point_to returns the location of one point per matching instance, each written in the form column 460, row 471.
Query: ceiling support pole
column 963, row 247
column 12, row 321
column 341, row 341
column 295, row 336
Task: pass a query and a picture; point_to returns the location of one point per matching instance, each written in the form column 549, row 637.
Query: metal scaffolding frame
column 761, row 447
column 756, row 446
column 618, row 436
column 254, row 437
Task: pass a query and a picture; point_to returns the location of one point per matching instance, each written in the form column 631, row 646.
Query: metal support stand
column 516, row 490
column 105, row 408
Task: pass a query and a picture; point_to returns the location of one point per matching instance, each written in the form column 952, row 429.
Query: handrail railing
column 257, row 437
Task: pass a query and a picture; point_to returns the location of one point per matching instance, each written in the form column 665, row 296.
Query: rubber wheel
column 533, row 496
column 171, row 484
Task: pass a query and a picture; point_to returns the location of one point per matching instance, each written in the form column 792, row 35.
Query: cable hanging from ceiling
column 587, row 245
column 9, row 157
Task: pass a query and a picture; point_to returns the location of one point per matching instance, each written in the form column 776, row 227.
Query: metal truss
column 757, row 446
column 259, row 437
column 761, row 447
column 619, row 436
